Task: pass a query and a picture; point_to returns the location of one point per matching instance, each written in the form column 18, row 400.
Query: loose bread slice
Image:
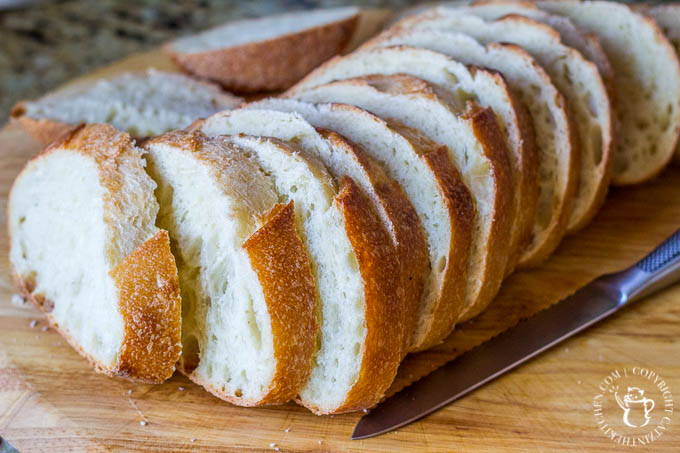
column 267, row 53
column 84, row 248
column 667, row 16
column 343, row 158
column 475, row 147
column 556, row 137
column 357, row 276
column 141, row 104
column 442, row 203
column 576, row 78
column 647, row 77
column 486, row 88
column 248, row 296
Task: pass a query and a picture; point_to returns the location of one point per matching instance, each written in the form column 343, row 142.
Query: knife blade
column 588, row 305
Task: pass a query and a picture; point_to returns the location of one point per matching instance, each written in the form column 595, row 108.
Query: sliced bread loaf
column 267, row 53
column 575, row 77
column 486, row 88
column 647, row 78
column 343, row 158
column 248, row 296
column 356, row 269
column 475, row 147
column 441, row 200
column 85, row 249
column 141, row 104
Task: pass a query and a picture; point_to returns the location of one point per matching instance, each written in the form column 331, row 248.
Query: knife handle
column 654, row 272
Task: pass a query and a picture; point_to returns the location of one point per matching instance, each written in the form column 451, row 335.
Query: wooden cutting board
column 50, row 399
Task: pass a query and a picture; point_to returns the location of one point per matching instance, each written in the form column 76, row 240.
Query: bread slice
column 575, row 77
column 85, row 249
column 647, row 77
column 267, row 53
column 486, row 88
column 248, row 296
column 667, row 16
column 343, row 158
column 357, row 276
column 141, row 104
column 475, row 148
column 442, row 203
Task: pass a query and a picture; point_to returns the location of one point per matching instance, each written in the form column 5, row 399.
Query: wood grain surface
column 51, row 400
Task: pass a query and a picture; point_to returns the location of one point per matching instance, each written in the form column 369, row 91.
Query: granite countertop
column 47, row 43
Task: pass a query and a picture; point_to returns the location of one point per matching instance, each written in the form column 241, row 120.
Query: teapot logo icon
column 636, row 407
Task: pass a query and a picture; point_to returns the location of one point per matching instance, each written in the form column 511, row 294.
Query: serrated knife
column 590, row 304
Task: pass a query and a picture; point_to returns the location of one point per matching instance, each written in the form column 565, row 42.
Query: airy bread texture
column 342, row 158
column 475, row 148
column 268, row 53
column 486, row 88
column 575, row 77
column 647, row 78
column 248, row 296
column 141, row 104
column 439, row 199
column 556, row 137
column 354, row 264
column 84, row 247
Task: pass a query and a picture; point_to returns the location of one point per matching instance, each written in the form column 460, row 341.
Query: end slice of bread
column 84, row 247
column 647, row 79
column 141, row 104
column 248, row 296
column 267, row 53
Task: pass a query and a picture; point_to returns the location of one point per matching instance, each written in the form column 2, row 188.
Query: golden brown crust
column 43, row 130
column 280, row 261
column 269, row 65
column 402, row 223
column 384, row 309
column 151, row 307
column 488, row 132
